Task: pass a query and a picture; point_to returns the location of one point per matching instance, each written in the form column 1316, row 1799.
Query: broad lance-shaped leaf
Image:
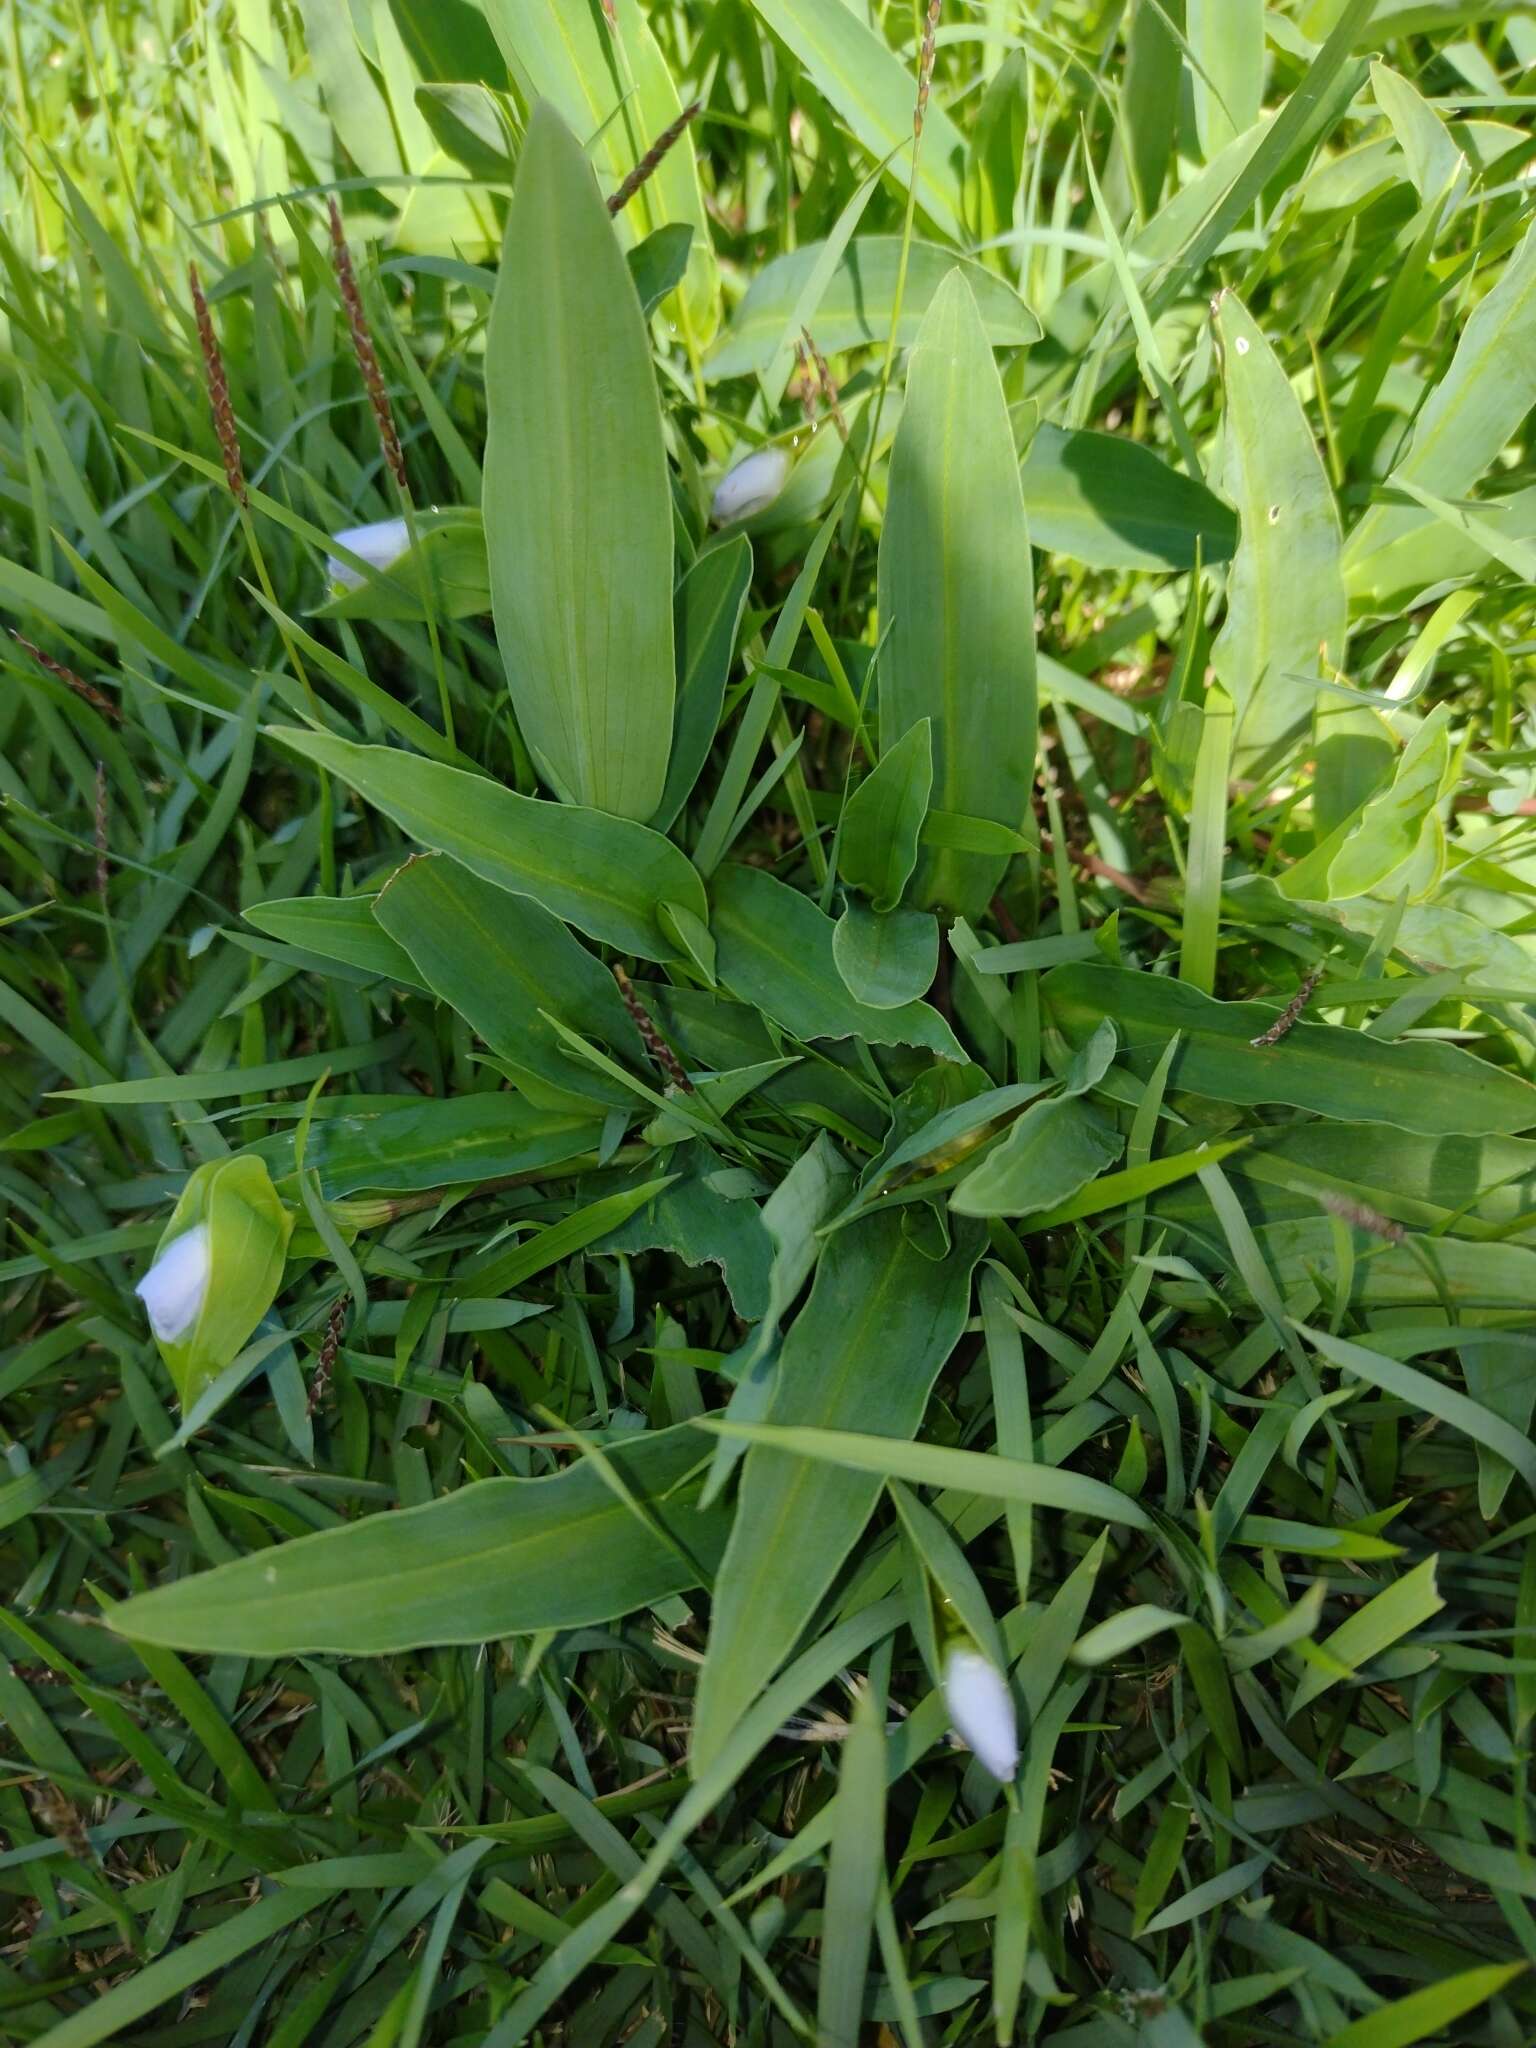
column 1287, row 615
column 956, row 596
column 1110, row 502
column 578, row 509
column 1054, row 1149
column 340, row 928
column 863, row 1354
column 434, row 1143
column 607, row 76
column 1467, row 419
column 882, row 820
column 856, row 307
column 1416, row 1084
column 775, row 952
column 604, row 875
column 508, row 967
column 501, row 1557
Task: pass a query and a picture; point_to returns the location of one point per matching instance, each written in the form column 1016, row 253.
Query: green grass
column 1078, row 1198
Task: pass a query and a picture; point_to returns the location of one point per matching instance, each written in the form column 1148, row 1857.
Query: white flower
column 751, row 486
column 380, row 544
column 173, row 1288
column 981, row 1710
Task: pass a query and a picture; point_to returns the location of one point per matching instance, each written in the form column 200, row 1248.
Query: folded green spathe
column 216, row 1270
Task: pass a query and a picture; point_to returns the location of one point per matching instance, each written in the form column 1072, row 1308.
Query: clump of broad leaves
column 841, row 1343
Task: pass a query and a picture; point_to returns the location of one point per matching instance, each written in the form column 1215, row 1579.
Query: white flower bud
column 751, row 486
column 981, row 1710
column 379, row 545
column 173, row 1288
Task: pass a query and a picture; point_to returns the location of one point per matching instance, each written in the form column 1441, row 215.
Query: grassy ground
column 1257, row 1317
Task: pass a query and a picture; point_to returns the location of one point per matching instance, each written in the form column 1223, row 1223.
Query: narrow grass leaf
column 855, row 1873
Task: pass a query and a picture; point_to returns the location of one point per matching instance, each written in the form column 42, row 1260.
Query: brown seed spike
column 218, row 392
column 330, row 1344
column 925, row 66
column 364, row 350
column 807, row 386
column 649, row 163
column 827, row 382
column 1362, row 1216
column 1289, row 1016
column 67, row 676
column 103, row 848
column 666, row 1059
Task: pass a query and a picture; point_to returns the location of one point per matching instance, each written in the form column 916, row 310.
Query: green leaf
column 1394, row 1613
column 1043, row 1486
column 694, row 1221
column 615, row 87
column 879, row 1324
column 1153, row 71
column 659, row 263
column 1422, row 1392
column 1206, row 1898
column 956, row 594
column 882, row 820
column 201, row 1085
column 706, row 619
column 337, row 928
column 578, row 513
column 509, row 967
column 1378, row 847
column 604, row 875
column 496, row 1273
column 874, row 92
column 1468, row 418
column 856, row 308
column 1226, row 46
column 1287, row 614
column 1205, row 864
column 1434, row 161
column 145, row 1991
column 775, row 952
column 887, row 959
column 1430, row 2011
column 431, row 1144
column 1111, row 503
column 1054, row 1149
column 855, row 1874
column 501, row 1557
column 1415, row 1084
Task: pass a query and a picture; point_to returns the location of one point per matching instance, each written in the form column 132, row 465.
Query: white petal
column 379, row 544
column 751, row 486
column 981, row 1710
column 173, row 1288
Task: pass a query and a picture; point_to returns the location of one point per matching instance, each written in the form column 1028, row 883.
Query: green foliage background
column 1131, row 1268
